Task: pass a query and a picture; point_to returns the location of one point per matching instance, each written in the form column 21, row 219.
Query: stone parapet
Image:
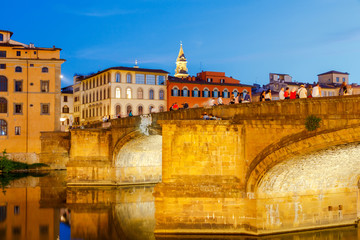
column 55, row 147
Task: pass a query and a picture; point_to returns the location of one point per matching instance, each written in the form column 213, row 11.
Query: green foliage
column 7, row 165
column 312, row 123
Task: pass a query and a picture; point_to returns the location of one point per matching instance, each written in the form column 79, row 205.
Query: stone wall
column 55, row 147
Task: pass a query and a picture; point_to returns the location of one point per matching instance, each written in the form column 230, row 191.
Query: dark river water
column 42, row 207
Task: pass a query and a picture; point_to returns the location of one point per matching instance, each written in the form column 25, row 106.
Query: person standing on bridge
column 268, row 95
column 316, row 91
column 302, row 92
column 293, row 93
column 220, row 101
column 287, row 93
column 282, row 94
column 247, row 97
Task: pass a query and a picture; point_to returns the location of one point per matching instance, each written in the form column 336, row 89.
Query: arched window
column 215, row 93
column 117, row 79
column 128, row 78
column 151, row 109
column 175, row 92
column 100, row 95
column 118, row 110
column 206, row 93
column 161, row 95
column 65, row 109
column 185, row 92
column 1, row 37
column 140, row 93
column 140, row 110
column 236, row 93
column 45, row 70
column 3, row 105
column 128, row 93
column 151, row 94
column 195, row 92
column 225, row 93
column 117, row 93
column 128, row 109
column 161, row 108
column 18, row 69
column 3, row 127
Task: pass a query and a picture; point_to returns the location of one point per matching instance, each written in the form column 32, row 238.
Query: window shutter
column 192, row 93
column 172, row 92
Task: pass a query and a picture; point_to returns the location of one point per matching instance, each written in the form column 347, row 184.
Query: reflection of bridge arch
column 297, row 145
column 138, row 158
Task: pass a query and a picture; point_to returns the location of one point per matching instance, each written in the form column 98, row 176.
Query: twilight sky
column 246, row 39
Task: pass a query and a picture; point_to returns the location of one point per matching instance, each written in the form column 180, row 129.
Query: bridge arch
column 300, row 144
column 137, row 158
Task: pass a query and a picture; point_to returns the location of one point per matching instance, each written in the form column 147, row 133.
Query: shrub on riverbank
column 7, row 165
column 312, row 123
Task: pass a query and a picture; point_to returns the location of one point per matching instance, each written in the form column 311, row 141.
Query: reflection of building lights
column 62, row 119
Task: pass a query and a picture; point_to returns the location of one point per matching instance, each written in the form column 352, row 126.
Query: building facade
column 117, row 91
column 29, row 95
column 197, row 91
column 67, row 108
column 333, row 77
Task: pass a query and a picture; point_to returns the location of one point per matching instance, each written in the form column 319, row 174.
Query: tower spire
column 181, row 69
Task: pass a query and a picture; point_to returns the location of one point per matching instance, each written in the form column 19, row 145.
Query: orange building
column 29, row 96
column 197, row 91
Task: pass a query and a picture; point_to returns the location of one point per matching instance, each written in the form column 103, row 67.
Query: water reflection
column 43, row 208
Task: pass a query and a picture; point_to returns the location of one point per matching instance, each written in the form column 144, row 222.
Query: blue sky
column 247, row 39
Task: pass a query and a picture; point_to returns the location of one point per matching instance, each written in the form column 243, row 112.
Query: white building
column 67, row 108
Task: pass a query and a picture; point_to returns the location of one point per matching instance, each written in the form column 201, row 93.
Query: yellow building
column 116, row 91
column 29, row 96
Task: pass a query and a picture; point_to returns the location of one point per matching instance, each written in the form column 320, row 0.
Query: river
column 43, row 207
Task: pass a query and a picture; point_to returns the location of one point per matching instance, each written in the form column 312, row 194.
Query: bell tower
column 181, row 70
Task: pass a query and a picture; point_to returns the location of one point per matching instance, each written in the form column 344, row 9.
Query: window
column 16, row 210
column 45, row 70
column 3, row 127
column 161, row 80
column 3, row 105
column 151, row 94
column 222, row 80
column 77, row 89
column 18, row 86
column 209, row 80
column 175, row 92
column 344, row 80
column 118, row 110
column 17, row 108
column 206, row 93
column 117, row 78
column 128, row 109
column 1, row 37
column 3, row 214
column 140, row 94
column 45, row 108
column 18, row 69
column 225, row 93
column 65, row 98
column 215, row 93
column 161, row 108
column 337, row 79
column 65, row 109
column 44, row 86
column 2, row 54
column 2, row 66
column 18, row 53
column 3, row 84
column 117, row 93
column 140, row 78
column 128, row 78
column 128, row 93
column 151, row 109
column 161, row 95
column 140, row 110
column 150, row 79
column 235, row 92
column 195, row 92
column 31, row 64
column 185, row 92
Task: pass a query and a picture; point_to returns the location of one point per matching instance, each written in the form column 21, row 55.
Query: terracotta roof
column 197, row 81
column 11, row 33
column 333, row 72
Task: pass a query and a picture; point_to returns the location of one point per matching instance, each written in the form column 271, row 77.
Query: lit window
column 65, row 109
column 117, row 93
column 16, row 210
column 44, row 86
column 128, row 93
column 18, row 69
column 17, row 130
column 3, row 127
column 150, row 79
column 140, row 79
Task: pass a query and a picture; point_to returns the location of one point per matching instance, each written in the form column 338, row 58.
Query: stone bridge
column 256, row 171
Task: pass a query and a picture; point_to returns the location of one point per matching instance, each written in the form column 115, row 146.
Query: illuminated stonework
column 181, row 70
